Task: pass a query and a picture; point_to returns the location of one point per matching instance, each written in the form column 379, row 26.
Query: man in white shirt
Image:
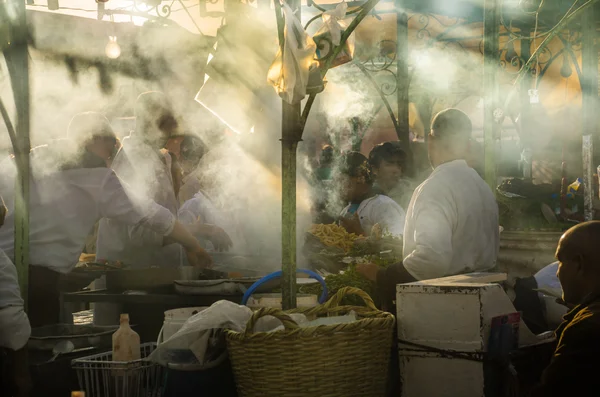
column 452, row 221
column 365, row 208
column 192, row 150
column 67, row 198
column 14, row 327
column 147, row 171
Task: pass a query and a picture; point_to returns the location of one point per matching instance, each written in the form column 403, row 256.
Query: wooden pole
column 491, row 35
column 290, row 136
column 17, row 61
column 589, row 55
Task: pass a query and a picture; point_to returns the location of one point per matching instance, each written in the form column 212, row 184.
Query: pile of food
column 349, row 277
column 333, row 235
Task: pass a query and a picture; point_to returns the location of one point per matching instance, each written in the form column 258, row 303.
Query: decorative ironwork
column 148, row 6
column 460, row 39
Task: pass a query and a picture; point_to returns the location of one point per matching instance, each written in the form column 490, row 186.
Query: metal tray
column 247, row 265
column 45, row 338
column 233, row 286
column 148, row 278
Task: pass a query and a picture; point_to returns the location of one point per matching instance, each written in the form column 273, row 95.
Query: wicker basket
column 340, row 360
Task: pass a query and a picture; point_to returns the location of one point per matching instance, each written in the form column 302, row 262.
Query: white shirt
column 201, row 209
column 380, row 209
column 451, row 224
column 65, row 206
column 148, row 176
column 14, row 323
column 548, row 280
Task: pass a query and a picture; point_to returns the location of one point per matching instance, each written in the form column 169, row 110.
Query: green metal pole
column 491, row 34
column 290, row 136
column 526, row 123
column 17, row 61
column 293, row 121
column 589, row 55
column 402, row 77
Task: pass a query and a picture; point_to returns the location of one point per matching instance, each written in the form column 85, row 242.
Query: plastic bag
column 329, row 36
column 201, row 340
column 289, row 71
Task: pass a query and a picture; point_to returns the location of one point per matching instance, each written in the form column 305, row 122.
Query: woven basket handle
column 286, row 320
column 347, row 291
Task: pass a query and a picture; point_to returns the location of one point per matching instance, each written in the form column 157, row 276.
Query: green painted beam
column 491, row 26
column 17, row 60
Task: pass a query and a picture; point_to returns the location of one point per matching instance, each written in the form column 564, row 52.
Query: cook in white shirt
column 365, row 209
column 14, row 326
column 452, row 220
column 147, row 172
column 192, row 150
column 66, row 200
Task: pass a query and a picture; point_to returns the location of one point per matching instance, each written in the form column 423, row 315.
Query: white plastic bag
column 329, row 36
column 201, row 335
column 289, row 71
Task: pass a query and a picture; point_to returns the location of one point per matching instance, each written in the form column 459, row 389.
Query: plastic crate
column 100, row 377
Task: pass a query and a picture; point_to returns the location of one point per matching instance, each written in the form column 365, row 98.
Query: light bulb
column 534, row 97
column 112, row 49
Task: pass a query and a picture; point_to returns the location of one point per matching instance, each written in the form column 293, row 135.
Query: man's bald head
column 450, row 136
column 583, row 240
column 579, row 262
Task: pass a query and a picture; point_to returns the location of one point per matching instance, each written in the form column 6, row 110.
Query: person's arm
column 15, row 329
column 208, row 226
column 433, row 219
column 574, row 366
column 388, row 278
column 115, row 203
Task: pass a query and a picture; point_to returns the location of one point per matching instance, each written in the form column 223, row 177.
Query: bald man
column 575, row 369
column 452, row 220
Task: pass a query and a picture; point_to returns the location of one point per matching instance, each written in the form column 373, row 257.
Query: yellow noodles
column 334, row 236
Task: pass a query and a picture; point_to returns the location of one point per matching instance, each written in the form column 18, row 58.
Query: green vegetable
column 350, row 278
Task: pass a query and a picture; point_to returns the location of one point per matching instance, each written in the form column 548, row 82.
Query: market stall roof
column 146, row 51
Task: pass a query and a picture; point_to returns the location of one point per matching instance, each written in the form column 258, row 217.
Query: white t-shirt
column 65, row 206
column 380, row 209
column 451, row 224
column 14, row 323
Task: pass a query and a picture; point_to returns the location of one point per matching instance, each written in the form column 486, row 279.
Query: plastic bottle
column 126, row 342
column 574, row 187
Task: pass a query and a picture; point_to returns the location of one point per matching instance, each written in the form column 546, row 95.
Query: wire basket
column 100, row 377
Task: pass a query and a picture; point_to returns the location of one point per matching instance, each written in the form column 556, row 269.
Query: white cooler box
column 455, row 314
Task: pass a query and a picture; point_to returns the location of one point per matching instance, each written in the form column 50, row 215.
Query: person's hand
column 220, row 239
column 352, row 224
column 368, row 270
column 199, row 257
